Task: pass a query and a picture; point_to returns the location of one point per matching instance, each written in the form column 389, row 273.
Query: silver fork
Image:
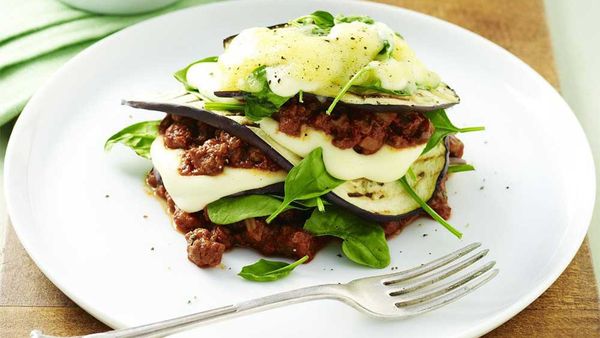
column 396, row 295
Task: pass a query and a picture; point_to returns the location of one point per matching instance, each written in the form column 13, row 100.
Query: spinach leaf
column 321, row 19
column 404, row 182
column 457, row 168
column 364, row 242
column 138, row 137
column 224, row 106
column 385, row 52
column 181, row 75
column 256, row 105
column 229, row 210
column 264, row 102
column 268, row 271
column 443, row 127
column 360, row 18
column 307, row 180
column 324, row 21
column 310, row 203
column 347, row 86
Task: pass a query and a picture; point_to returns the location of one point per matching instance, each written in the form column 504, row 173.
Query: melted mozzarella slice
column 193, row 193
column 386, row 165
column 206, row 77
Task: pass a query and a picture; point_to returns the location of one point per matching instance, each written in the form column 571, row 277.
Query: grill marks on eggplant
column 385, row 202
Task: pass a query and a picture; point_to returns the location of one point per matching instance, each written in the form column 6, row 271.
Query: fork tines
column 433, row 285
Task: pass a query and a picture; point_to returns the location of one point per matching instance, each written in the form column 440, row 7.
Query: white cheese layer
column 386, row 165
column 296, row 60
column 193, row 193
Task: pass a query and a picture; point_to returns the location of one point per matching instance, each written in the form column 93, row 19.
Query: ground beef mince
column 208, row 150
column 364, row 132
column 208, row 241
column 203, row 248
column 455, row 146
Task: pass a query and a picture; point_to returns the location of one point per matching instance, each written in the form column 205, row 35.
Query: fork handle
column 171, row 326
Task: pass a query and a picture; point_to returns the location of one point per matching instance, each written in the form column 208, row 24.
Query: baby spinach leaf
column 229, row 210
column 307, row 180
column 310, row 203
column 138, row 137
column 457, row 168
column 321, row 19
column 443, row 127
column 268, row 271
column 347, row 86
column 264, row 102
column 385, row 52
column 364, row 242
column 181, row 75
column 352, row 18
column 224, row 106
column 324, row 21
column 404, row 182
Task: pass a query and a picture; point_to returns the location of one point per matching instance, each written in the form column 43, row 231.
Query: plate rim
column 13, row 159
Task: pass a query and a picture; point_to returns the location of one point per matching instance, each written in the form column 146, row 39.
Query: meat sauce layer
column 208, row 150
column 364, row 132
column 284, row 237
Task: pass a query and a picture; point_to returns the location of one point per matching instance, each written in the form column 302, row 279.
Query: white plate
column 530, row 200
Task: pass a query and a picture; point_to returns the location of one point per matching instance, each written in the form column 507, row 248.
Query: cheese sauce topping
column 297, row 59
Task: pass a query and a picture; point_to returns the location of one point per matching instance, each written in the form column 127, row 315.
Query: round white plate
column 87, row 221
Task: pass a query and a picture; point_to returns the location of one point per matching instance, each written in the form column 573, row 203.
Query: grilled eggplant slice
column 230, row 123
column 384, row 202
column 422, row 100
column 371, row 200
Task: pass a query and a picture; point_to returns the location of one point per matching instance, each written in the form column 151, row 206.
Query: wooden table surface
column 569, row 308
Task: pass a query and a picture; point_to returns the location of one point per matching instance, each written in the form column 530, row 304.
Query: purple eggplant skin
column 273, row 189
column 248, row 136
column 366, row 108
column 216, row 121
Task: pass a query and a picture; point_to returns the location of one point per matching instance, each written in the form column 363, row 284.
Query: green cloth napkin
column 38, row 36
